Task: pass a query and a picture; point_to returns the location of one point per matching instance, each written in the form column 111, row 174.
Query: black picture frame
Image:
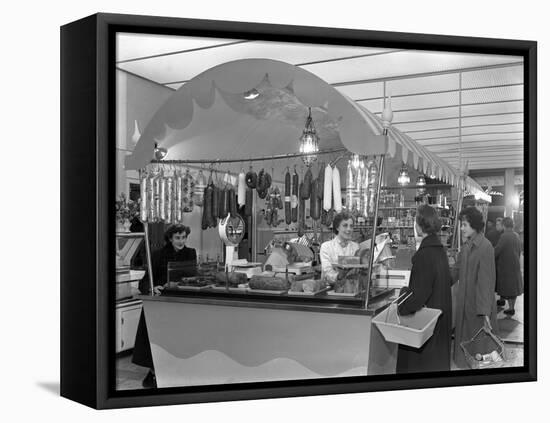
column 87, row 187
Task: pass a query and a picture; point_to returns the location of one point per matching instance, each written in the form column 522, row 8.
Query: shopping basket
column 484, row 351
column 412, row 330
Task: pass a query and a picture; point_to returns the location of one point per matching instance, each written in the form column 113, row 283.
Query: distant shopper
column 430, row 284
column 509, row 279
column 475, row 272
column 493, row 234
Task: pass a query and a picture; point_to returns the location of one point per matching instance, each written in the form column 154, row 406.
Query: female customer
column 174, row 250
column 507, row 253
column 475, row 271
column 430, row 286
column 340, row 245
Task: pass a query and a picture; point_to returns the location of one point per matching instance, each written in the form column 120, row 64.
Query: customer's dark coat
column 475, row 272
column 507, row 252
column 430, row 283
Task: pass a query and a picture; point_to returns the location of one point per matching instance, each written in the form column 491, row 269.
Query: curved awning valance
column 211, row 108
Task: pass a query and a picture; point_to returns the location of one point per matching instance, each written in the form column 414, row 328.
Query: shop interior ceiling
column 465, row 108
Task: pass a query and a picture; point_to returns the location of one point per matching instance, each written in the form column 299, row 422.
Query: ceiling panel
column 131, row 46
column 483, row 109
column 422, row 126
column 401, row 63
column 363, row 91
column 486, row 95
column 515, row 127
column 497, row 119
column 423, row 84
column 487, row 77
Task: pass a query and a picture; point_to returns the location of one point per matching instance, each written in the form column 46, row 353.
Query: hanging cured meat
column 294, row 197
column 188, row 192
column 321, row 179
column 215, row 201
column 251, row 179
column 371, row 187
column 248, row 202
column 155, row 195
column 288, row 214
column 169, row 213
column 144, row 197
column 162, row 197
column 178, row 189
column 327, row 195
column 200, row 185
column 314, row 201
column 208, row 219
column 308, row 177
column 241, row 189
column 350, row 187
column 336, row 190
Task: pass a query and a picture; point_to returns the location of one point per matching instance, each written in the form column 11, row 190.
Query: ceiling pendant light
column 251, row 94
column 403, row 178
column 160, row 152
column 421, row 180
column 309, row 141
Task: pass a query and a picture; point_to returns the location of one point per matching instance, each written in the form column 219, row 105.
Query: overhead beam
column 455, row 105
column 467, row 135
column 441, row 91
column 172, row 53
column 425, row 74
column 454, row 118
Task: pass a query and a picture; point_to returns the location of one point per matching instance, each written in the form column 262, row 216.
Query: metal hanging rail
column 249, row 159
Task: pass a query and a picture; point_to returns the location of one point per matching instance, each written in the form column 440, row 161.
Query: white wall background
column 30, row 209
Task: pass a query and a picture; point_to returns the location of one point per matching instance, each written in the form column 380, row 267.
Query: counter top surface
column 318, row 305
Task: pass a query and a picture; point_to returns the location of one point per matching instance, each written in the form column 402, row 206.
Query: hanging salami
column 251, row 179
column 241, row 189
column 144, row 197
column 248, row 202
column 288, row 215
column 308, row 177
column 327, row 190
column 350, row 187
column 178, row 187
column 207, row 205
column 314, row 201
column 321, row 179
column 169, row 213
column 200, row 186
column 188, row 192
column 152, row 202
column 294, row 198
column 162, row 197
column 336, row 190
column 215, row 202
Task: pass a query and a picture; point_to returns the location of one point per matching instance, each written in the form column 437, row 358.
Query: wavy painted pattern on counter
column 214, row 367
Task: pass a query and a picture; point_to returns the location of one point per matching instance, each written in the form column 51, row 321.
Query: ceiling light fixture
column 309, row 141
column 403, row 178
column 160, row 152
column 421, row 180
column 251, row 94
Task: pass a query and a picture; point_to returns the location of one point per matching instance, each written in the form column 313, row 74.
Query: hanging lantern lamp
column 309, row 141
column 403, row 178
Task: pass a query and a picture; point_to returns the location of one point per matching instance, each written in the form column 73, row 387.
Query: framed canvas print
column 257, row 211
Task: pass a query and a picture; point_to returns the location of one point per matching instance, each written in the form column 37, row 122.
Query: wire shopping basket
column 484, row 351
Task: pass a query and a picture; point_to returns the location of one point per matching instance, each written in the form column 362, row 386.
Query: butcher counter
column 209, row 338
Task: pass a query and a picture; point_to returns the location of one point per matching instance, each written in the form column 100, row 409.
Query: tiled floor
column 129, row 375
